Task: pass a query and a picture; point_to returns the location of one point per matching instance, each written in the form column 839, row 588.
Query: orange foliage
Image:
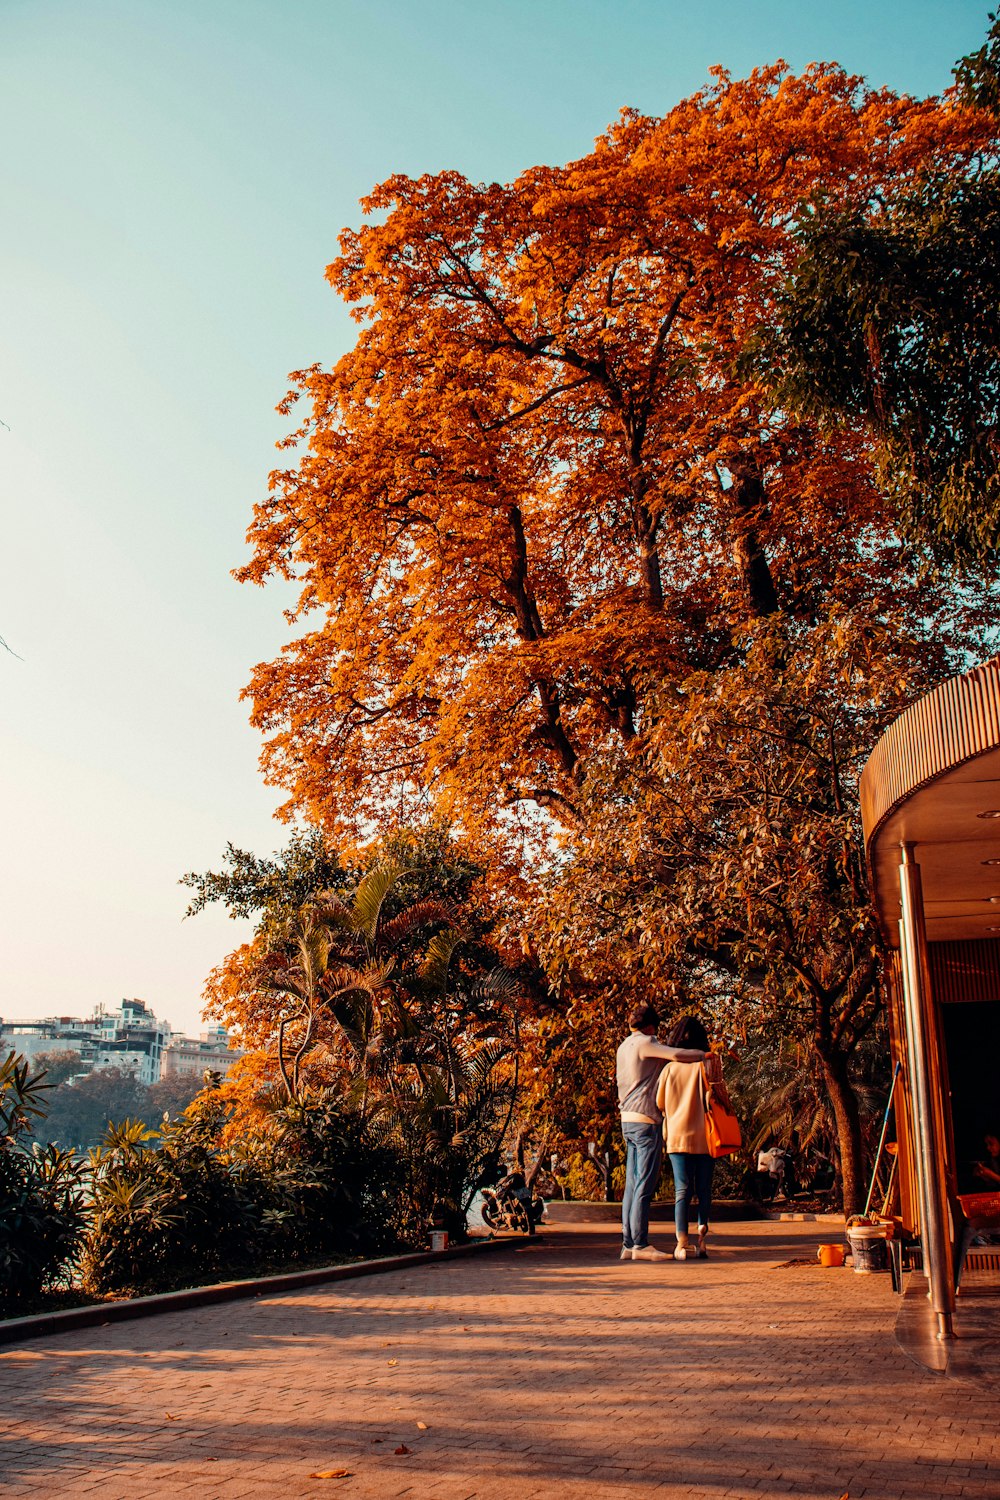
column 234, row 994
column 539, row 479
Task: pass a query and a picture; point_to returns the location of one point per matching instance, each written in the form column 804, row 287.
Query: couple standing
column 661, row 1096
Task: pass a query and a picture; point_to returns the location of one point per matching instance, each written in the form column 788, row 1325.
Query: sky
column 175, row 175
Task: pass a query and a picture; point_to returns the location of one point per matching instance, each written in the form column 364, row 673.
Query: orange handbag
column 721, row 1125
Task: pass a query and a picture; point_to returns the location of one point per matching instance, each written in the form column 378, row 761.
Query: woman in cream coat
column 680, row 1096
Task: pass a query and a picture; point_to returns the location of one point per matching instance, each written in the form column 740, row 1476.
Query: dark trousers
column 692, row 1178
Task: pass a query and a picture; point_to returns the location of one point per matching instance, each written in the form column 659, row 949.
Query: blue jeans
column 643, row 1158
column 692, row 1176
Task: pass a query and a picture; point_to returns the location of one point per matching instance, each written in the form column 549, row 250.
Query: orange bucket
column 830, row 1255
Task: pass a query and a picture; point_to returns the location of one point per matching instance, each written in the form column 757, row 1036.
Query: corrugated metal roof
column 933, row 780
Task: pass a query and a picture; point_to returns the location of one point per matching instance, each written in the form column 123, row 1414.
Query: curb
column 596, row 1211
column 804, row 1218
column 99, row 1314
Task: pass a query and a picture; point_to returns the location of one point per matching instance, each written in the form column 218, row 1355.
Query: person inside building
column 987, row 1169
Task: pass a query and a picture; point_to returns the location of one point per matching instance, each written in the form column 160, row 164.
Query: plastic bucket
column 830, row 1255
column 439, row 1239
column 868, row 1247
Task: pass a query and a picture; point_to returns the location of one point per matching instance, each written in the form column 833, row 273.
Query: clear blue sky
column 175, row 175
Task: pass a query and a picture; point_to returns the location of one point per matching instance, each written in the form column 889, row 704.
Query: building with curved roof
column 930, row 800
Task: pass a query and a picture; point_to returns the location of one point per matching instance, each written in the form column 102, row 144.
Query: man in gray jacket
column 640, row 1062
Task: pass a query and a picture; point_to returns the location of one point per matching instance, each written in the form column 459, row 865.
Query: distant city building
column 210, row 1050
column 132, row 1038
column 128, row 1037
column 53, row 1034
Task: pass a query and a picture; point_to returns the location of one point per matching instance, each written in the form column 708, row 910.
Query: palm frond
column 438, row 956
column 420, row 914
column 371, row 893
column 283, row 984
column 368, row 978
column 489, row 1057
column 498, row 984
column 331, row 910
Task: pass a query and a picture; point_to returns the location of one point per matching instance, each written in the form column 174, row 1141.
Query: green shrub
column 179, row 1205
column 169, row 1207
column 354, row 1189
column 43, row 1211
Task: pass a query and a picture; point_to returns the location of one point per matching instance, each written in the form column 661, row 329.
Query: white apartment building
column 128, row 1037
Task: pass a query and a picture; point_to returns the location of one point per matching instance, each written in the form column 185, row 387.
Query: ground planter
column 868, row 1247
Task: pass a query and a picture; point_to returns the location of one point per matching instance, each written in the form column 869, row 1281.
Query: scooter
column 509, row 1205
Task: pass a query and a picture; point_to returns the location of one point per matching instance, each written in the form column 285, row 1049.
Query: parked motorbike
column 510, row 1205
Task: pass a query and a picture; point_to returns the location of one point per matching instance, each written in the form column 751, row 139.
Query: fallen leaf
column 392, row 1361
column 846, row 1495
column 331, row 1474
column 170, row 1418
column 401, row 1449
column 422, row 1426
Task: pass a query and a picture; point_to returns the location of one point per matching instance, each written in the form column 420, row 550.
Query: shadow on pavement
column 557, row 1365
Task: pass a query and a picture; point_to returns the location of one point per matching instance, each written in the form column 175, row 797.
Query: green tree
column 384, row 993
column 977, row 76
column 269, row 890
column 171, row 1096
column 78, row 1114
column 58, row 1066
column 890, row 321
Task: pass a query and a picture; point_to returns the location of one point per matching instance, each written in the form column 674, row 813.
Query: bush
column 43, row 1212
column 162, row 1213
column 356, row 1192
column 178, row 1205
column 150, row 1209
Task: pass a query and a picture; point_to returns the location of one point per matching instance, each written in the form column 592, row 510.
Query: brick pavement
column 552, row 1372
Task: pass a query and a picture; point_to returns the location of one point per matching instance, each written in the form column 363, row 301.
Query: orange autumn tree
column 536, row 479
column 540, row 504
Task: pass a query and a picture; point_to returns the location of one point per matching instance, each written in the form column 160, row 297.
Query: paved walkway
column 555, row 1372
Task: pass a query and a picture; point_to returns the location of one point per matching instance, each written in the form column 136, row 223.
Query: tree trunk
column 848, row 1118
column 749, row 503
column 649, row 570
column 531, row 1177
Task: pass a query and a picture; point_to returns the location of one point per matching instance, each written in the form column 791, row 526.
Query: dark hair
column 688, row 1032
column 641, row 1016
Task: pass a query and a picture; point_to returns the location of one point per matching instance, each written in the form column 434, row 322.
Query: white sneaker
column 626, row 1253
column 647, row 1252
column 681, row 1253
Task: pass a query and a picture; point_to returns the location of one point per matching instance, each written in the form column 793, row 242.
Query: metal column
column 934, row 1235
